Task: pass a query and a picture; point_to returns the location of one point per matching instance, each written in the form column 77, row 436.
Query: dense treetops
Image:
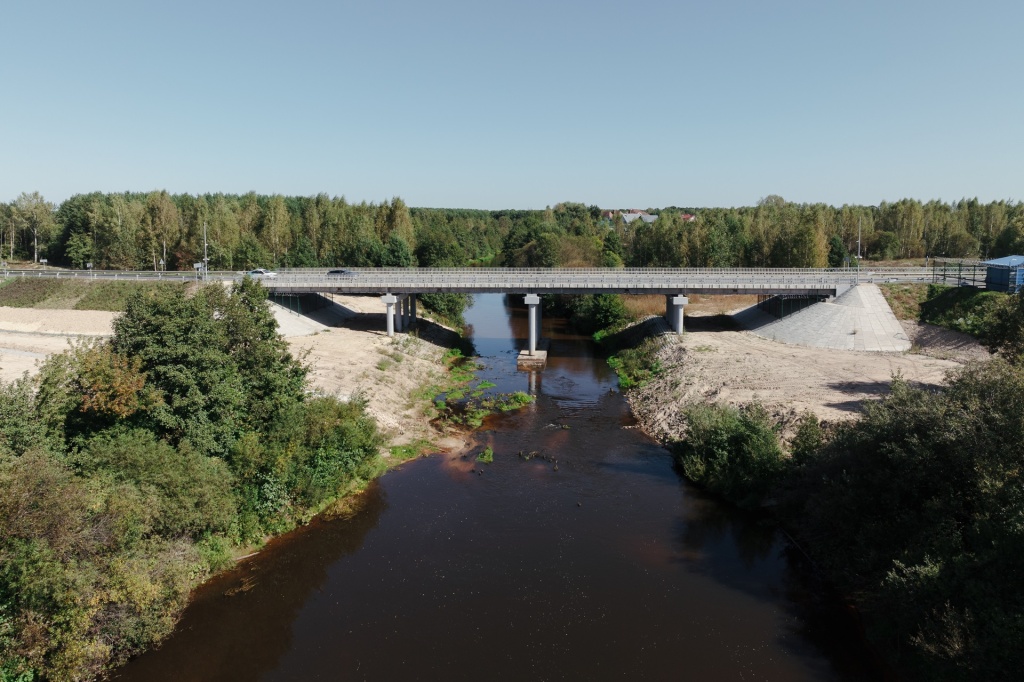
column 129, row 468
column 158, row 230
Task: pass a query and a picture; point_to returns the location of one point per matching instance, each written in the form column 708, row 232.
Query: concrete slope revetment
column 859, row 319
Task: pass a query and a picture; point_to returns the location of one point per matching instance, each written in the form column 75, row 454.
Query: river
column 593, row 560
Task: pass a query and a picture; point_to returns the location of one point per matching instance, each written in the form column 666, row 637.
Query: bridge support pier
column 531, row 358
column 674, row 312
column 412, row 301
column 389, row 301
column 405, row 312
column 532, row 304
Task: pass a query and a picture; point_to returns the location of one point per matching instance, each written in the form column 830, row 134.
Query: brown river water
column 604, row 564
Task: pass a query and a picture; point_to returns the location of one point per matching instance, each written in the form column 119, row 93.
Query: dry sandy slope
column 711, row 363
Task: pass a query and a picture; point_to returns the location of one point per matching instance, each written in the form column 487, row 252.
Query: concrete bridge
column 398, row 287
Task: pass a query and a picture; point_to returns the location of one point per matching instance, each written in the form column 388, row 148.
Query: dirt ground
column 357, row 359
column 715, row 362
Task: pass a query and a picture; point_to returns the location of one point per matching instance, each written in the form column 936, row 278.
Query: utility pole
column 206, row 258
column 858, row 237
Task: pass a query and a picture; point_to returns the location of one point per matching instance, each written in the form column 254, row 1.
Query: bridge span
column 398, row 287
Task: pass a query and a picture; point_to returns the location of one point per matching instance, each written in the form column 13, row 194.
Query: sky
column 521, row 104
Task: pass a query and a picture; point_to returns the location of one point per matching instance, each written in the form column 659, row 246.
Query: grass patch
column 962, row 309
column 113, row 296
column 487, row 456
column 28, row 292
column 71, row 294
column 905, row 299
column 637, row 366
column 418, row 447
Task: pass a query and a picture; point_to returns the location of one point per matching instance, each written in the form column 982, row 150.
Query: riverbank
column 354, row 360
column 714, row 361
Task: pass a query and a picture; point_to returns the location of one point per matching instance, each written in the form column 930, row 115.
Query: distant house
column 633, row 214
column 630, row 215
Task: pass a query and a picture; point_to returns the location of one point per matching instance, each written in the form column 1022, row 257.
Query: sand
column 350, row 355
column 357, row 359
column 714, row 362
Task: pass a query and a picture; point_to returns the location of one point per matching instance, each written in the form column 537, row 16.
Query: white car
column 260, row 272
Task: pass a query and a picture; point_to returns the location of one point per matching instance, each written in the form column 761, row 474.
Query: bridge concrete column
column 405, row 312
column 389, row 301
column 678, row 302
column 532, row 304
column 412, row 299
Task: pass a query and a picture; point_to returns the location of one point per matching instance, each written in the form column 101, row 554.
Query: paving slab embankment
column 859, row 319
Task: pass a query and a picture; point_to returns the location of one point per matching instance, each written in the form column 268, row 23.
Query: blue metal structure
column 1005, row 274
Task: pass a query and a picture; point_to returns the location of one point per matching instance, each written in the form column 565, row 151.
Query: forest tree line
column 158, row 230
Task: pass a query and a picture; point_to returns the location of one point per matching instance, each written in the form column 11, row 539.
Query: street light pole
column 206, row 258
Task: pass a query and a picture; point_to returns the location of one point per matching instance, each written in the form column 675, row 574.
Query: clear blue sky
column 516, row 104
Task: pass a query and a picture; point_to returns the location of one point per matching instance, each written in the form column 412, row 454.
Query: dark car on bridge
column 340, row 272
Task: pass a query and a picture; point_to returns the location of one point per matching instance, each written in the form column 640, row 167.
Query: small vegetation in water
column 486, row 457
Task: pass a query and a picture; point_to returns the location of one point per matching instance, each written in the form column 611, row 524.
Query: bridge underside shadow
column 305, row 314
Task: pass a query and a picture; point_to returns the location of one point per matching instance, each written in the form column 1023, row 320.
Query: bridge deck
column 795, row 281
column 586, row 281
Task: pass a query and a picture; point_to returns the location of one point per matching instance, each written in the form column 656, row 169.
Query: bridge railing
column 545, row 276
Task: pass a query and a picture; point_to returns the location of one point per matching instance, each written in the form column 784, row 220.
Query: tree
column 837, row 253
column 34, row 215
column 163, row 226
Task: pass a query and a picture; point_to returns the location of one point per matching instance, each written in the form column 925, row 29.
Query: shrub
column 732, row 452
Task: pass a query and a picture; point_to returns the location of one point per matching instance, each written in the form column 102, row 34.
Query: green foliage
column 636, row 366
column 448, row 307
column 963, row 309
column 917, row 509
column 808, row 439
column 486, row 457
column 130, row 468
column 20, row 428
column 732, row 452
column 189, row 494
column 113, row 296
column 838, row 255
column 1004, row 333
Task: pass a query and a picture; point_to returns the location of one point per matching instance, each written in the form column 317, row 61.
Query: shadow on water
column 579, row 553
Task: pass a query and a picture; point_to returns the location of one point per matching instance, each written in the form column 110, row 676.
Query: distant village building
column 628, row 216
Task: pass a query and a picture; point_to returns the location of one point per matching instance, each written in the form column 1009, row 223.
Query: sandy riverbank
column 356, row 358
column 714, row 362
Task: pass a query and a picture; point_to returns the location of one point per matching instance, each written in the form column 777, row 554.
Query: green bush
column 732, row 452
column 962, row 309
column 190, row 493
column 636, row 366
column 918, row 510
